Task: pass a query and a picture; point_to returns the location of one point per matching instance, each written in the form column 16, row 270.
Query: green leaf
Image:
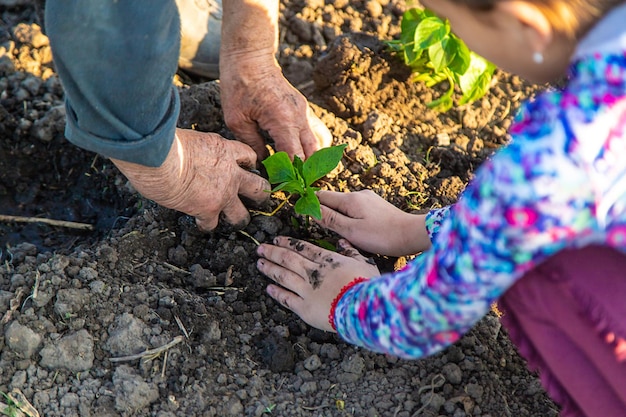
column 410, row 19
column 476, row 80
column 297, row 164
column 279, row 168
column 462, row 56
column 309, row 204
column 442, row 54
column 430, row 31
column 291, row 187
column 321, row 163
column 412, row 58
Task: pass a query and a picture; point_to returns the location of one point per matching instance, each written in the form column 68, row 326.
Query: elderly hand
column 255, row 95
column 309, row 277
column 203, row 176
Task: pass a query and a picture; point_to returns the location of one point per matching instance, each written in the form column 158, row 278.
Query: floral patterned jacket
column 560, row 183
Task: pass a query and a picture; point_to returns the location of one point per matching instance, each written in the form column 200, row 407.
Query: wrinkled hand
column 255, row 95
column 310, row 277
column 373, row 224
column 203, row 176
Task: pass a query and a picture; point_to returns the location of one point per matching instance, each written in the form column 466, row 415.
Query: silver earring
column 538, row 57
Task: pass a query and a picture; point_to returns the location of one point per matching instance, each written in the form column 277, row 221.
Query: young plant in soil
column 435, row 54
column 11, row 408
column 297, row 178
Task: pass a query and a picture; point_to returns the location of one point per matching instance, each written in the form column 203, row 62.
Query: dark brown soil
column 146, row 276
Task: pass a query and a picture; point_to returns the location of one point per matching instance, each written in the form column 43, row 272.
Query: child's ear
column 534, row 25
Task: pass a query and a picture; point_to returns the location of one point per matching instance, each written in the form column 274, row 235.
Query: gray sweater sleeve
column 116, row 60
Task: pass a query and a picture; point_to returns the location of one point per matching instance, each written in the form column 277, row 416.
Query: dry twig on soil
column 60, row 223
column 13, row 305
column 150, row 353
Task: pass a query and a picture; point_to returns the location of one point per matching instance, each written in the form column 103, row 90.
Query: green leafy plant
column 296, row 178
column 435, row 54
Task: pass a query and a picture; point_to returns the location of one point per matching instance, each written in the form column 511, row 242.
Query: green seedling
column 10, row 408
column 16, row 405
column 417, row 202
column 297, row 178
column 435, row 54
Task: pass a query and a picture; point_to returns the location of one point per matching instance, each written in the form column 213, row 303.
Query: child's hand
column 310, row 277
column 372, row 224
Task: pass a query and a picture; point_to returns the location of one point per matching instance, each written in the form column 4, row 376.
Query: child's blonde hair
column 570, row 17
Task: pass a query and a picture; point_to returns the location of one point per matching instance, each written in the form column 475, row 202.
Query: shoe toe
column 201, row 25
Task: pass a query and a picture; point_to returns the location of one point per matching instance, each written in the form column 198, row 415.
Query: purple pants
column 568, row 319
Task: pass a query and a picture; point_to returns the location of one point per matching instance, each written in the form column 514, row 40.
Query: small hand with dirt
column 310, row 277
column 257, row 96
column 373, row 224
column 203, row 176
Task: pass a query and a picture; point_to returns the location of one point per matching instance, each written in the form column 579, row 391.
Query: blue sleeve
column 116, row 61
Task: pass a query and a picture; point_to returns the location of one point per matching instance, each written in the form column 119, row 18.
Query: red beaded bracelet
column 333, row 306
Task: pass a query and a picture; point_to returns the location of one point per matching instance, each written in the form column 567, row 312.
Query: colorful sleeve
column 526, row 203
column 434, row 218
